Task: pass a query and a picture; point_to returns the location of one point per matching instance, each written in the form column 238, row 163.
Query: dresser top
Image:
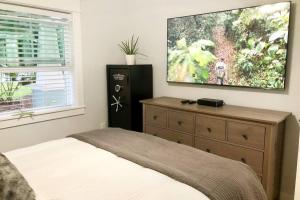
column 230, row 111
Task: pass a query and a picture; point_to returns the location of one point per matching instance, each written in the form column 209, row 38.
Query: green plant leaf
column 251, row 43
column 203, row 58
column 203, row 44
column 181, row 44
column 130, row 47
column 273, row 49
column 260, row 46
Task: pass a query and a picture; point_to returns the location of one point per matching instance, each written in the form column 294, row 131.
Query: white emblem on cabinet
column 116, row 103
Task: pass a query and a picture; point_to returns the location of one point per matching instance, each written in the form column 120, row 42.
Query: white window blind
column 36, row 69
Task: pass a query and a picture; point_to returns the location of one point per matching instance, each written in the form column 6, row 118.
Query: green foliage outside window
column 20, row 46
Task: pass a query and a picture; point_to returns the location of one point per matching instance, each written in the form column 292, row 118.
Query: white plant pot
column 130, row 59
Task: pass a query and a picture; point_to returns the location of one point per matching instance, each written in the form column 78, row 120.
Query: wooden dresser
column 253, row 136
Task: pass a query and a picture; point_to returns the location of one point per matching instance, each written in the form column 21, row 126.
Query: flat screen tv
column 244, row 47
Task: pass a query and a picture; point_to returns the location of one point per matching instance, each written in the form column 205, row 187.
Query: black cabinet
column 126, row 86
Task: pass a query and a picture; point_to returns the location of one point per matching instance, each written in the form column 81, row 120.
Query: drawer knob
column 179, row 142
column 179, row 123
column 243, row 160
column 245, row 137
column 208, row 150
column 209, row 130
column 154, row 135
column 154, row 117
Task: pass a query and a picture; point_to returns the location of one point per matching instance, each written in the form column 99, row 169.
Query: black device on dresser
column 126, row 86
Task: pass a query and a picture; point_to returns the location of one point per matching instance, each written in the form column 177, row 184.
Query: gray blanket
column 218, row 178
column 13, row 186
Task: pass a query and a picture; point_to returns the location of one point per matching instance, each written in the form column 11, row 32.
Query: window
column 36, row 67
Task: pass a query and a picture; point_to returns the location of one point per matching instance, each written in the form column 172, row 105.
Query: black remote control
column 188, row 102
column 184, row 101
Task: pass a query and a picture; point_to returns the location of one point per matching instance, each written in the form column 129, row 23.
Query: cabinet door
column 119, row 98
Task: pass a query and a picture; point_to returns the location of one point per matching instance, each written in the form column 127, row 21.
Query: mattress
column 68, row 169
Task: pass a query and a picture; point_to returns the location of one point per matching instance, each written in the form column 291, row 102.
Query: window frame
column 78, row 108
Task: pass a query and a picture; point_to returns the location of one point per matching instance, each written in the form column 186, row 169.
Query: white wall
column 106, row 22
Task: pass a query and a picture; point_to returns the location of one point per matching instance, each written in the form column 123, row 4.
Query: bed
column 93, row 165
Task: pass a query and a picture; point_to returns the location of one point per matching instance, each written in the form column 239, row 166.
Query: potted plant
column 130, row 49
column 7, row 92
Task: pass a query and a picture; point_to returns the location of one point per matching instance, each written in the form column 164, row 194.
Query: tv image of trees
column 243, row 47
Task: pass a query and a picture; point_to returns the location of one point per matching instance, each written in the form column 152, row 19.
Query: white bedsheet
column 69, row 169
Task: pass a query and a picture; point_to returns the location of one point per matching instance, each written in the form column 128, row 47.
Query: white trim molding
column 42, row 116
column 66, row 6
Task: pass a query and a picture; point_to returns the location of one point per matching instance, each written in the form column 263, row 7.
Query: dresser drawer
column 246, row 134
column 210, row 127
column 153, row 131
column 156, row 116
column 170, row 135
column 250, row 157
column 181, row 121
column 209, row 146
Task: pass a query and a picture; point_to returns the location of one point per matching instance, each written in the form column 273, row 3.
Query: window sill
column 41, row 116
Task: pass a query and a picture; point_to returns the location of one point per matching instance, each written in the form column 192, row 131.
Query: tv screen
column 243, row 47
